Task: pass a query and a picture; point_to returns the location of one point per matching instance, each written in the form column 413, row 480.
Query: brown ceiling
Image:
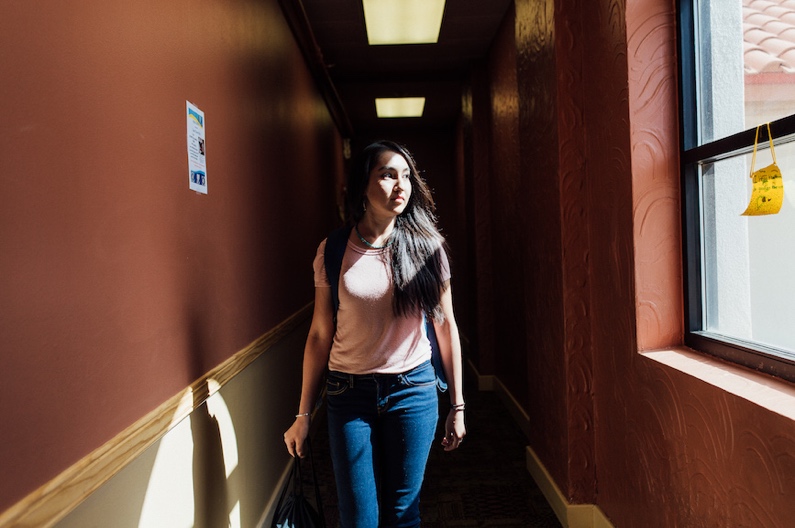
column 361, row 72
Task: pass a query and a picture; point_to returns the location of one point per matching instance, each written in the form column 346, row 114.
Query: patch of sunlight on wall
column 169, row 495
column 234, row 517
column 169, row 499
column 218, row 410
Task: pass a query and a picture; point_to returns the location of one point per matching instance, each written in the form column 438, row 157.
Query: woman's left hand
column 454, row 430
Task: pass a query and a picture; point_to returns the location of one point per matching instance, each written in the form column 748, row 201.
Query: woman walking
column 374, row 350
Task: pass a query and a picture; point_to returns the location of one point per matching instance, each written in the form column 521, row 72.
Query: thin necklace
column 366, row 243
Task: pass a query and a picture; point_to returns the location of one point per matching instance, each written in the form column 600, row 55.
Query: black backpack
column 335, row 250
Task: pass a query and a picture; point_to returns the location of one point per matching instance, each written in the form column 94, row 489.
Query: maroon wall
column 598, row 250
column 510, row 206
column 474, row 133
column 120, row 286
column 609, row 205
column 707, row 456
column 575, row 236
column 543, row 272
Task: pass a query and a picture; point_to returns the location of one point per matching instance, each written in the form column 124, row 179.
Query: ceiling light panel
column 399, row 106
column 403, row 21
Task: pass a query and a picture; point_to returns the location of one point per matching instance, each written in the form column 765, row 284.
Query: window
column 738, row 72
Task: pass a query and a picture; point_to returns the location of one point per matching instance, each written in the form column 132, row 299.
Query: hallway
column 152, row 328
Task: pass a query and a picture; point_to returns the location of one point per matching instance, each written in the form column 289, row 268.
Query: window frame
column 770, row 360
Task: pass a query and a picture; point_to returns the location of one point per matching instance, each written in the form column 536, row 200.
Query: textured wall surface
column 556, row 273
column 120, row 286
column 652, row 72
column 509, row 205
column 575, row 237
column 477, row 139
column 601, row 272
column 540, row 200
column 711, row 458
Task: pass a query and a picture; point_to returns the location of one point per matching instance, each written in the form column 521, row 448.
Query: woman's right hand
column 295, row 437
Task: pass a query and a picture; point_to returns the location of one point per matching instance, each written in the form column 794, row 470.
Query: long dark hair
column 416, row 243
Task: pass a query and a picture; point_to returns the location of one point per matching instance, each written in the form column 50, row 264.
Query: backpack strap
column 332, row 258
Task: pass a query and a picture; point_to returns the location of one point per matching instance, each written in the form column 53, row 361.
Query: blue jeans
column 381, row 427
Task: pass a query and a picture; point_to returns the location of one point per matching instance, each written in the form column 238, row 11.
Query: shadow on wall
column 215, row 460
column 221, row 465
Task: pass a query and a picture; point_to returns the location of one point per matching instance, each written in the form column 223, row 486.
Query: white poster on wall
column 197, row 156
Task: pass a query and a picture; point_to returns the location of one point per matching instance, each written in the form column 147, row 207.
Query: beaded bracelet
column 301, row 414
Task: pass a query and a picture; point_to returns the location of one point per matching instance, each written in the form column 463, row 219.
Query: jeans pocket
column 336, row 385
column 420, row 377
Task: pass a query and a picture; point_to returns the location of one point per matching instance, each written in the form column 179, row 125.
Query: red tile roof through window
column 769, row 36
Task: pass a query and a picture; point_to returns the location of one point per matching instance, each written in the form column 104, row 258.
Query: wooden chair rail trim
column 54, row 500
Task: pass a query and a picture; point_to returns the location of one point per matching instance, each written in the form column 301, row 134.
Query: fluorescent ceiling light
column 399, row 106
column 403, row 21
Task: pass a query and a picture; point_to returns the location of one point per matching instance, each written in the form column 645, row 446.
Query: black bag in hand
column 294, row 509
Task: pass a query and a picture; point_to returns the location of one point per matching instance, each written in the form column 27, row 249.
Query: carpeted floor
column 482, row 484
